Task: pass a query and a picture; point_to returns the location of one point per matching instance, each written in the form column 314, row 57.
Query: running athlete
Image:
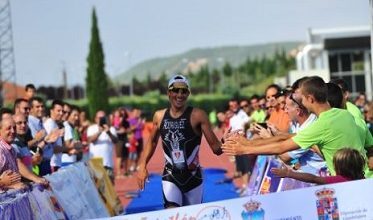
column 181, row 128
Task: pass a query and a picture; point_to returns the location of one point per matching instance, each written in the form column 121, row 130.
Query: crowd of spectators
column 304, row 125
column 36, row 141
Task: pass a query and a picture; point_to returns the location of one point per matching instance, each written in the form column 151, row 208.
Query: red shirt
column 133, row 145
column 336, row 179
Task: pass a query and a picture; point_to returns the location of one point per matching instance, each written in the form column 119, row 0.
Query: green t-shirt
column 258, row 116
column 354, row 110
column 368, row 139
column 333, row 130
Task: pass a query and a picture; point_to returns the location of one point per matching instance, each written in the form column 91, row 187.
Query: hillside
column 193, row 59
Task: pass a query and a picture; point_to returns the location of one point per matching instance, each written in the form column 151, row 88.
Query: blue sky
column 50, row 35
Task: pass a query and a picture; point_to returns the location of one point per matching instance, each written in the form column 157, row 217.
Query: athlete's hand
column 142, row 177
column 235, row 145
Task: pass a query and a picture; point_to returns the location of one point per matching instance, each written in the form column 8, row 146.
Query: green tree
column 96, row 80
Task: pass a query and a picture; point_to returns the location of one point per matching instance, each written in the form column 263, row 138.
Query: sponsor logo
column 252, row 211
column 213, row 212
column 326, row 203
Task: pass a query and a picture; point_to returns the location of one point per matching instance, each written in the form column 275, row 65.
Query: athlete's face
column 178, row 95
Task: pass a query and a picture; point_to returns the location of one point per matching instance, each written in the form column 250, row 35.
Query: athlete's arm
column 210, row 136
column 149, row 150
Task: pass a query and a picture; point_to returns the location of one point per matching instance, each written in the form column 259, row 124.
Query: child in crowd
column 349, row 165
column 132, row 151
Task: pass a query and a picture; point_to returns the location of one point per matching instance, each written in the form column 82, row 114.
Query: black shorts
column 140, row 146
column 182, row 188
column 244, row 163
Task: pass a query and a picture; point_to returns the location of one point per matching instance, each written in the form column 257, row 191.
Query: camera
column 102, row 121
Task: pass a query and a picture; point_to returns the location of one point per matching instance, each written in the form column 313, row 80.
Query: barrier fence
column 78, row 191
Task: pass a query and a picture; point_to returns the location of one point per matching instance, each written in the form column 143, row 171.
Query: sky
column 51, row 35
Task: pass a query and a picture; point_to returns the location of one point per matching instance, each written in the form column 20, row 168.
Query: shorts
column 244, row 163
column 132, row 156
column 140, row 145
column 124, row 151
column 182, row 188
column 119, row 148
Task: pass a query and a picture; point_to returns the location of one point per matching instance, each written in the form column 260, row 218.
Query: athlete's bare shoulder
column 198, row 114
column 158, row 116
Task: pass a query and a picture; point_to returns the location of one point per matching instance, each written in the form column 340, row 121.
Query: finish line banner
column 350, row 200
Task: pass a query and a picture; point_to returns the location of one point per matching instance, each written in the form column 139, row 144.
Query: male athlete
column 181, row 128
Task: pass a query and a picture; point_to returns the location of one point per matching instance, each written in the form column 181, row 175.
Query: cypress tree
column 96, row 81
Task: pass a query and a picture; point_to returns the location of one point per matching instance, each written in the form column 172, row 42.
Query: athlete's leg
column 193, row 196
column 172, row 195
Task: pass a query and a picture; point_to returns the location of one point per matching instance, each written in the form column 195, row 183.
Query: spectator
column 137, row 125
column 102, row 138
column 258, row 115
column 238, row 122
column 20, row 144
column 55, row 149
column 309, row 160
column 277, row 115
column 353, row 109
column 132, row 151
column 11, row 169
column 328, row 132
column 71, row 139
column 22, row 106
column 348, row 164
column 30, row 91
column 38, row 137
column 361, row 101
column 66, row 111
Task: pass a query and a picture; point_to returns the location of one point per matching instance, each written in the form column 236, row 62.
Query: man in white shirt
column 51, row 125
column 238, row 122
column 102, row 138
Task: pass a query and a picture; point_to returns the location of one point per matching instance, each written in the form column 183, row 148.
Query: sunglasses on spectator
column 177, row 90
column 294, row 100
column 244, row 106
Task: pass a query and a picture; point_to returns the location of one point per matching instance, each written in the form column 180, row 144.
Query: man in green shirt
column 334, row 129
column 353, row 109
column 336, row 99
column 258, row 115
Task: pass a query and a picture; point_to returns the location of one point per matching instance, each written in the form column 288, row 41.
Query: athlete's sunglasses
column 177, row 90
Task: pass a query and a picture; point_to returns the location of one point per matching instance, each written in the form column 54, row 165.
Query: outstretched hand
column 229, row 133
column 283, row 171
column 262, row 132
column 235, row 145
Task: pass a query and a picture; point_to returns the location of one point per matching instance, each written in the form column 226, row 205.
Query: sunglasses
column 294, row 100
column 177, row 90
column 244, row 106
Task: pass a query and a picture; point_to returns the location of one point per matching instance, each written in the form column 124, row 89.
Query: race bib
column 178, row 156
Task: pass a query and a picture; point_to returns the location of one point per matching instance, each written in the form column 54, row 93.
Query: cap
column 182, row 82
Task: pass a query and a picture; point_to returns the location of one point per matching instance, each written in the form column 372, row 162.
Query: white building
column 337, row 53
